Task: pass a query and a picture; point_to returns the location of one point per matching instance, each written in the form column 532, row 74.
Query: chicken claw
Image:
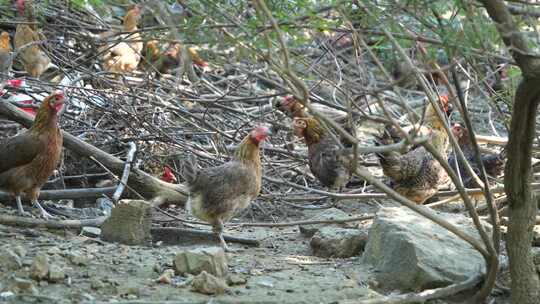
column 46, row 215
column 20, row 207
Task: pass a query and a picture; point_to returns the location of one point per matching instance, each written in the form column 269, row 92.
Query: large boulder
column 411, row 252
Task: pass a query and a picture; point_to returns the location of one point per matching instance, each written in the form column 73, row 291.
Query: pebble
column 40, row 267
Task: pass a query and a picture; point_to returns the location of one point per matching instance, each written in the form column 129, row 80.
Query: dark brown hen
column 28, row 159
column 328, row 162
column 217, row 193
column 417, row 174
column 493, row 162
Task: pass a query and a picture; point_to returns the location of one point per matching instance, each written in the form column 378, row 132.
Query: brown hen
column 217, row 193
column 328, row 162
column 27, row 38
column 28, row 159
column 5, row 56
column 416, row 174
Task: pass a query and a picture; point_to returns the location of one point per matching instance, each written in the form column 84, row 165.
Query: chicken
column 493, row 162
column 151, row 53
column 197, row 60
column 33, row 58
column 168, row 176
column 28, row 159
column 123, row 56
column 5, row 56
column 417, row 174
column 328, row 162
column 293, row 108
column 217, row 193
column 171, row 60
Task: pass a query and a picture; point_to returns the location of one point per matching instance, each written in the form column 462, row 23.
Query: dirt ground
column 281, row 270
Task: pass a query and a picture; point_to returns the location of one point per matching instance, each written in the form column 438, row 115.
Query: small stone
column 211, row 260
column 235, row 279
column 23, row 286
column 208, row 284
column 338, row 242
column 129, row 223
column 20, row 251
column 40, row 267
column 166, row 277
column 128, row 288
column 77, row 258
column 54, row 251
column 9, row 260
column 96, row 284
column 4, row 296
column 92, row 232
column 56, row 274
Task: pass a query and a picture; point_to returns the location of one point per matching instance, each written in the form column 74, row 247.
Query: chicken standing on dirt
column 416, row 174
column 5, row 56
column 27, row 38
column 124, row 57
column 217, row 193
column 28, row 159
column 328, row 162
column 493, row 162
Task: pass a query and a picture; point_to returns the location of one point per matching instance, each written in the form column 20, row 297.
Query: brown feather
column 38, row 153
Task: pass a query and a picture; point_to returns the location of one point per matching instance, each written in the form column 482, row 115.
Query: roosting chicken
column 328, row 162
column 123, row 56
column 217, row 193
column 171, row 59
column 493, row 162
column 417, row 174
column 5, row 56
column 33, row 58
column 28, row 159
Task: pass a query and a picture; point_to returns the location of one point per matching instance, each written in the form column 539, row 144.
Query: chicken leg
column 20, row 207
column 46, row 215
column 217, row 228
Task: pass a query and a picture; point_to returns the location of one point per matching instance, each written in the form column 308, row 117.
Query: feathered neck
column 314, row 132
column 46, row 119
column 248, row 151
column 4, row 42
column 130, row 20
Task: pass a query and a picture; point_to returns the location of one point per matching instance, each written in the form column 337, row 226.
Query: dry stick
column 20, row 221
column 125, row 175
column 423, row 296
column 334, row 221
column 181, row 232
column 67, row 193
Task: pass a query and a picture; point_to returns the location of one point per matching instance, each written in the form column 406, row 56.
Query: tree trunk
column 522, row 205
column 151, row 188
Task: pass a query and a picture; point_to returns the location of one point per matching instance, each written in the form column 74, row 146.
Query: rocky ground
column 61, row 266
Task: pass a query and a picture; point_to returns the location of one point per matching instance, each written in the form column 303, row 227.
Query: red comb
column 16, row 83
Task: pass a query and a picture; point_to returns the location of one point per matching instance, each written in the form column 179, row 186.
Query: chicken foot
column 20, row 207
column 46, row 215
column 217, row 228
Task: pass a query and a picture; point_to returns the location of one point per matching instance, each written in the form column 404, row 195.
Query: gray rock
column 56, row 274
column 128, row 288
column 9, row 260
column 92, row 232
column 208, row 284
column 328, row 214
column 338, row 242
column 96, row 284
column 211, row 260
column 40, row 267
column 129, row 223
column 235, row 279
column 23, row 286
column 411, row 252
column 78, row 258
column 536, row 236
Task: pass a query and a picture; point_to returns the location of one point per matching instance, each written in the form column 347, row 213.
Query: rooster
column 417, row 174
column 5, row 56
column 124, row 57
column 493, row 162
column 217, row 193
column 328, row 162
column 27, row 37
column 28, row 159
